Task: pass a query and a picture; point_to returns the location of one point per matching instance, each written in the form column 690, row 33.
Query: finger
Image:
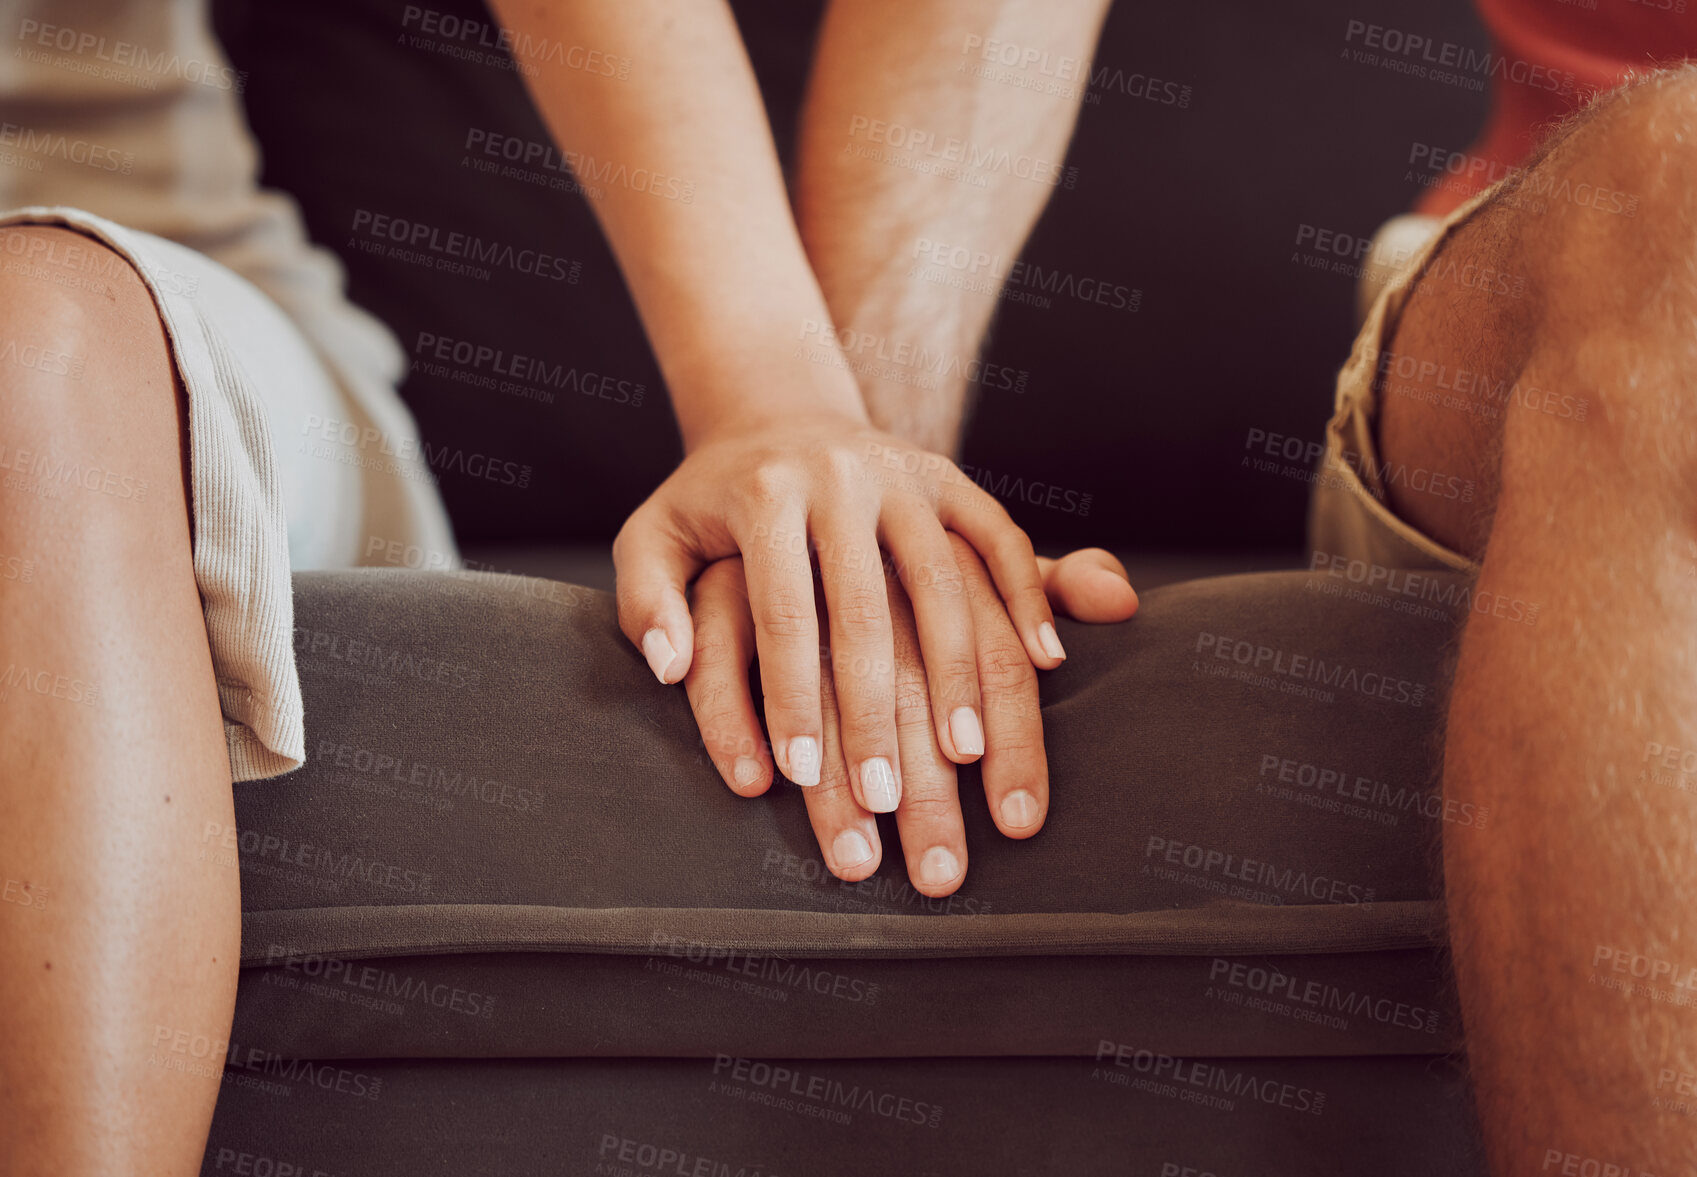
column 1015, row 766
column 847, row 834
column 1089, row 585
column 857, row 610
column 925, row 562
column 779, row 574
column 717, row 682
column 929, row 820
column 654, row 565
column 1007, row 552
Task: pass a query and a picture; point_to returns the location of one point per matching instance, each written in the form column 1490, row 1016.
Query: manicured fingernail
column 939, row 866
column 850, row 849
column 878, row 785
column 1019, row 810
column 966, row 732
column 747, row 770
column 657, row 648
column 1050, row 641
column 804, row 761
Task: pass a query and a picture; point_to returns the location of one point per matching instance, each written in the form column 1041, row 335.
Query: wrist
column 737, row 377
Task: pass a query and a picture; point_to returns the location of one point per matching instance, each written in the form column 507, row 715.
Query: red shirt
column 1583, row 47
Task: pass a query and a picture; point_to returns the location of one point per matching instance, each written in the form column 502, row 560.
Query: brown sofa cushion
column 507, row 842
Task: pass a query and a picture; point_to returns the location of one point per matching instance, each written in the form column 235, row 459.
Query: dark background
column 1147, row 413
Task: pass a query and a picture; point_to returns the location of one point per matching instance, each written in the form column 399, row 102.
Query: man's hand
column 1089, row 585
column 835, row 488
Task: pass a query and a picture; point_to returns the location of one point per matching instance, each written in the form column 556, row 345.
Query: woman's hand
column 830, row 486
column 1090, row 585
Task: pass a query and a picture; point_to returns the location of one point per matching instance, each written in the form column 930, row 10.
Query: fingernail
column 939, row 866
column 850, row 849
column 966, row 732
column 1019, row 810
column 804, row 761
column 878, row 785
column 747, row 770
column 1050, row 641
column 657, row 648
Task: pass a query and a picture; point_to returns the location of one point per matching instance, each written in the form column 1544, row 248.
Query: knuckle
column 1030, row 598
column 716, row 649
column 793, row 700
column 1006, row 666
column 913, row 702
column 785, row 615
column 771, row 482
column 841, row 465
column 861, row 611
column 929, row 807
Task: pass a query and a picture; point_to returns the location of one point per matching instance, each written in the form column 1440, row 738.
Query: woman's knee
column 90, row 411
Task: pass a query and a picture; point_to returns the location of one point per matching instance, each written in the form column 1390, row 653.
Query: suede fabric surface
column 507, row 841
column 507, row 920
column 1011, row 1117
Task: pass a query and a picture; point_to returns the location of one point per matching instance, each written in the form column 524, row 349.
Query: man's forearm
column 917, row 140
column 722, row 283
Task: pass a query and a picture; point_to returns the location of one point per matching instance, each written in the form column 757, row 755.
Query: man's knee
column 1603, row 225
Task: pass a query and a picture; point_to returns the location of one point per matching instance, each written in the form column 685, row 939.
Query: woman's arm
column 782, row 462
